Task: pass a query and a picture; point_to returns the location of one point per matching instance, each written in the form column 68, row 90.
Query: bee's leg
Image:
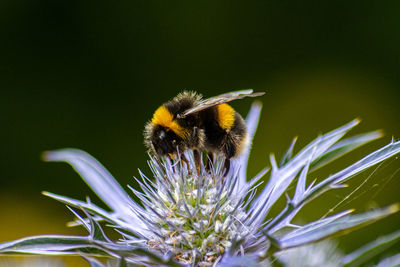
column 185, row 160
column 227, row 166
column 197, row 160
column 171, row 159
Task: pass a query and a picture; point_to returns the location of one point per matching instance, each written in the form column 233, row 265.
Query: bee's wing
column 220, row 99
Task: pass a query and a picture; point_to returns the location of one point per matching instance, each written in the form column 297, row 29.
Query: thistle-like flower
column 206, row 217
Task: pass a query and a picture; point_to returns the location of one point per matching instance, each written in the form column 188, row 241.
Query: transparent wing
column 220, row 99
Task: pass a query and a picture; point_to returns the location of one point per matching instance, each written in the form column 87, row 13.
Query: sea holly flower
column 208, row 217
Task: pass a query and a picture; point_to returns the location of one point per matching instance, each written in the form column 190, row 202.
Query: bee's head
column 162, row 140
column 163, row 134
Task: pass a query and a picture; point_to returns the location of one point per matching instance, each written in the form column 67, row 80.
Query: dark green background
column 89, row 74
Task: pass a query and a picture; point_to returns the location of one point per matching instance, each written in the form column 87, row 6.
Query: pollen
column 226, row 116
column 163, row 117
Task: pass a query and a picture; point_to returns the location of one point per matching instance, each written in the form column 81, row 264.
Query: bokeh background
column 89, row 74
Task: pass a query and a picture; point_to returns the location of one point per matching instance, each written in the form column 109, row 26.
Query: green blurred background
column 89, row 74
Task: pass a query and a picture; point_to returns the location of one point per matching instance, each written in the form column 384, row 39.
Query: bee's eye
column 161, row 135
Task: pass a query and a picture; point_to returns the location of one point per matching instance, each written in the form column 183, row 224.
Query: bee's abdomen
column 226, row 116
column 225, row 130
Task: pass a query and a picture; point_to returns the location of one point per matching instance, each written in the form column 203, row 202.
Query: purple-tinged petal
column 236, row 261
column 366, row 252
column 100, row 180
column 289, row 153
column 344, row 146
column 361, row 165
column 252, row 120
column 131, row 226
column 310, row 226
column 301, row 183
column 321, row 231
column 281, row 178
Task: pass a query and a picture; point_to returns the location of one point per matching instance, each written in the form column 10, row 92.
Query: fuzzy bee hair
column 189, row 122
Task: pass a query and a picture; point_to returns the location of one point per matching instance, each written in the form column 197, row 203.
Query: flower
column 209, row 218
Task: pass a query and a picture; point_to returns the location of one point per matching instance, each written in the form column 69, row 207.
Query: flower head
column 193, row 216
column 208, row 217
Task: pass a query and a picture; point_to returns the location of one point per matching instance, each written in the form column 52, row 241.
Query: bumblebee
column 189, row 122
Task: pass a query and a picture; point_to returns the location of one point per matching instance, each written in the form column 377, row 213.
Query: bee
column 190, row 122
